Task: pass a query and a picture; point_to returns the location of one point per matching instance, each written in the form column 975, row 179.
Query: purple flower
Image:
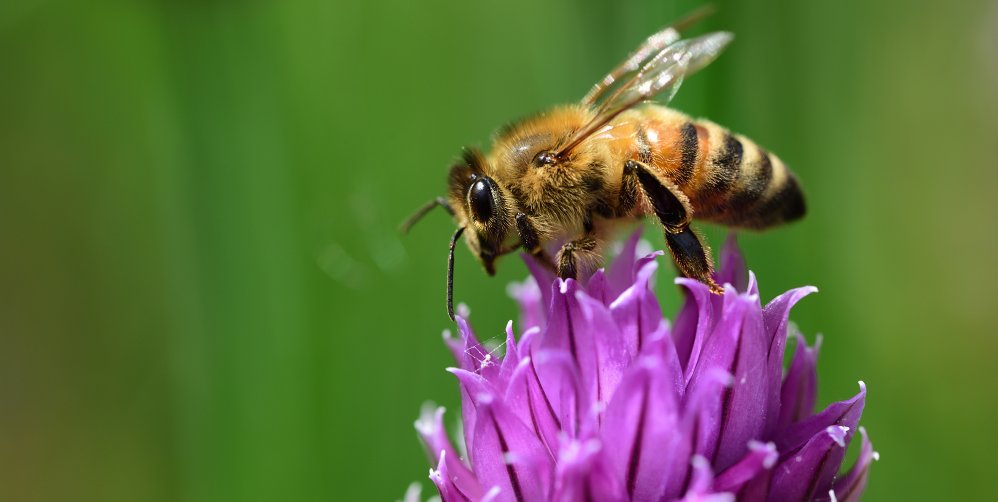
column 601, row 398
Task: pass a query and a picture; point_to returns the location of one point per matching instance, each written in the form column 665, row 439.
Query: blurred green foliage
column 204, row 296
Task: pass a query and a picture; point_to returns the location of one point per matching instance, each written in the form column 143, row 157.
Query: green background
column 204, row 296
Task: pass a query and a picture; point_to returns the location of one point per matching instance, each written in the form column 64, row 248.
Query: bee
column 567, row 176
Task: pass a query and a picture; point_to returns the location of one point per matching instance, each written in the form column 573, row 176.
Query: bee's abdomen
column 729, row 179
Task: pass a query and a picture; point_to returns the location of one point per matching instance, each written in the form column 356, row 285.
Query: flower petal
column 737, row 345
column 507, row 454
column 494, row 493
column 583, row 474
column 761, row 457
column 620, row 274
column 693, row 323
column 597, row 287
column 471, row 385
column 699, row 419
column 430, row 427
column 412, row 493
column 608, row 347
column 471, row 355
column 850, row 487
column 660, row 348
column 510, row 359
column 732, row 270
column 701, row 481
column 775, row 316
column 636, row 310
column 528, row 399
column 543, row 277
column 800, row 386
column 809, row 471
column 530, row 299
column 451, row 485
column 640, row 430
column 843, row 413
column 589, row 336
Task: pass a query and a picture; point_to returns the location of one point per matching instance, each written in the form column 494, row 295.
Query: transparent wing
column 665, row 71
column 653, row 45
column 662, row 74
column 650, row 47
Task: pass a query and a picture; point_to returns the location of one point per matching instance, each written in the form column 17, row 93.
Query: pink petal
column 776, row 316
column 528, row 296
column 543, row 277
column 760, row 457
column 451, row 485
column 693, row 323
column 608, row 347
column 509, row 360
column 640, row 430
column 800, row 386
column 507, row 454
column 620, row 274
column 808, row 472
column 532, row 403
column 583, row 473
column 700, row 484
column 737, row 346
column 430, row 427
column 850, row 487
column 588, row 335
column 732, row 269
column 843, row 413
column 637, row 312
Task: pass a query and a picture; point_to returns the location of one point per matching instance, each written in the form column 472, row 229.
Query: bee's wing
column 650, row 47
column 661, row 74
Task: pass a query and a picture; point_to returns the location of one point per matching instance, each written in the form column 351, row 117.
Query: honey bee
column 568, row 175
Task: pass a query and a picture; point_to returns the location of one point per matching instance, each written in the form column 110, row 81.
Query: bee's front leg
column 691, row 255
column 531, row 241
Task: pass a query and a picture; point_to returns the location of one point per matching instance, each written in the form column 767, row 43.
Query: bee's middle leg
column 568, row 257
column 691, row 255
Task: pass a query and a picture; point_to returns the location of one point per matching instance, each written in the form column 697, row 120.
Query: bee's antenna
column 450, row 273
column 426, row 208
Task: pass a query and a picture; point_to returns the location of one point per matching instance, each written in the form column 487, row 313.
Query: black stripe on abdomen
column 727, row 165
column 784, row 205
column 721, row 176
column 689, row 146
column 755, row 179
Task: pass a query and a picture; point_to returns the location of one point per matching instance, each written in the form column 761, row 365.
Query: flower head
column 601, row 398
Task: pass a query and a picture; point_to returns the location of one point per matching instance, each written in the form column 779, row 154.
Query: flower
column 601, row 398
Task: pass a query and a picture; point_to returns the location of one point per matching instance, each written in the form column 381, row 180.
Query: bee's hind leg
column 691, row 255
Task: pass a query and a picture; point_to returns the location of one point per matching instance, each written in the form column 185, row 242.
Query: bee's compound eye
column 480, row 199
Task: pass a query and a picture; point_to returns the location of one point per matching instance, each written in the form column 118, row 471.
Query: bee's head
column 483, row 207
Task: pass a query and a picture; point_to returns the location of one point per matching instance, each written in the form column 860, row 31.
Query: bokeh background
column 204, row 296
